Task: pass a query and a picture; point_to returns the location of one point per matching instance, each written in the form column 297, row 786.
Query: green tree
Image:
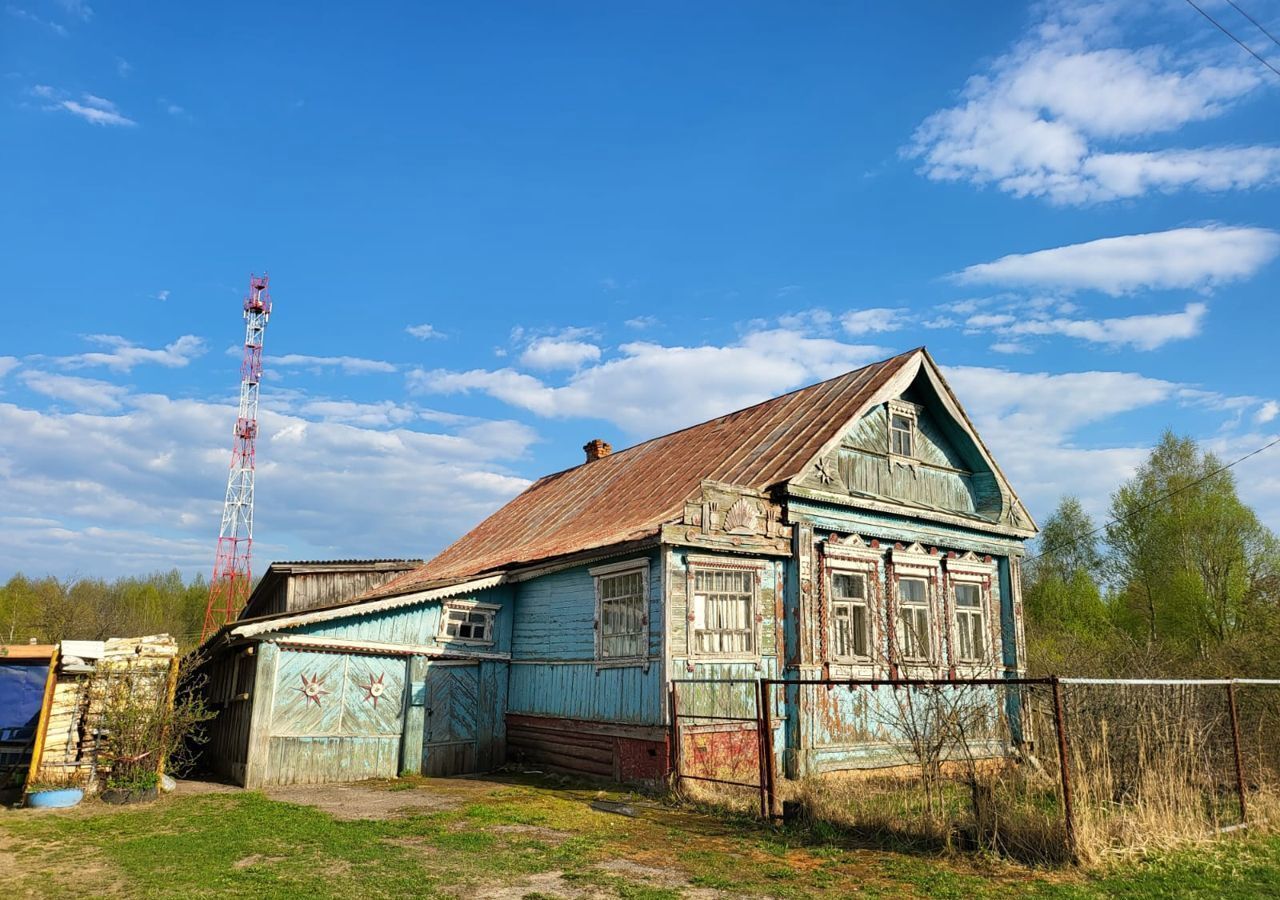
column 1191, row 567
column 1067, row 621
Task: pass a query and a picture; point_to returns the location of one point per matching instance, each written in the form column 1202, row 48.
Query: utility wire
column 1275, row 40
column 1224, row 30
column 1146, row 506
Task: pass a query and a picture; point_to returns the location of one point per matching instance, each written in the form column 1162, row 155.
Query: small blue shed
column 855, row 528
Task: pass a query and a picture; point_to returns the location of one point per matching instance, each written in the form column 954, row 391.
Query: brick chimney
column 597, row 449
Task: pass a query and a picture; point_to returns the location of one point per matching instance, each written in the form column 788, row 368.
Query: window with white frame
column 850, row 618
column 467, row 622
column 971, row 645
column 724, row 612
column 624, row 621
column 914, row 641
column 902, row 429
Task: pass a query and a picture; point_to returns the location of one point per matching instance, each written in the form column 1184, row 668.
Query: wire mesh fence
column 1041, row 769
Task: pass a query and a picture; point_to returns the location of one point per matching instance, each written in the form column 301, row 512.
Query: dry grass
column 1152, row 771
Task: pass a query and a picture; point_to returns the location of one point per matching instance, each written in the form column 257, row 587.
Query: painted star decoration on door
column 312, row 688
column 373, row 690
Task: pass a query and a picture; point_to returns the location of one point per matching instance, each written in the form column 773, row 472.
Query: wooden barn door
column 449, row 733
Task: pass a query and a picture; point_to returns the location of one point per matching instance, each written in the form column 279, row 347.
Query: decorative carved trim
column 741, row 518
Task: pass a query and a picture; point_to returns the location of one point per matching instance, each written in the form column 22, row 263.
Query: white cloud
column 1267, row 412
column 1010, row 347
column 1030, row 421
column 123, row 67
column 162, row 295
column 1142, row 332
column 77, row 8
column 123, row 354
column 94, row 115
column 653, row 388
column 641, row 322
column 18, row 12
column 872, row 321
column 1196, row 258
column 424, row 331
column 138, row 486
column 8, row 364
column 350, row 365
column 554, row 353
column 1037, row 121
column 82, row 393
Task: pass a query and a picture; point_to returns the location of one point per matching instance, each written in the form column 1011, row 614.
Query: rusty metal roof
column 630, row 493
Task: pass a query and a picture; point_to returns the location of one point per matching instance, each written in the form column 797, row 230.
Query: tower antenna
column 232, row 567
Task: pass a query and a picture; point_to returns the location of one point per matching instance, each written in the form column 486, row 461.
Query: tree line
column 51, row 609
column 1182, row 579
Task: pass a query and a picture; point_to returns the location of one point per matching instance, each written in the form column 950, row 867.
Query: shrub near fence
column 977, row 763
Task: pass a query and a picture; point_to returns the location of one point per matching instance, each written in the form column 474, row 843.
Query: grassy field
column 528, row 838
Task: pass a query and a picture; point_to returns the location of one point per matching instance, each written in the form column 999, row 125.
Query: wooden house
column 858, row 527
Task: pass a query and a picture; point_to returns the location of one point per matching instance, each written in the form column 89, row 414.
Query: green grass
column 508, row 831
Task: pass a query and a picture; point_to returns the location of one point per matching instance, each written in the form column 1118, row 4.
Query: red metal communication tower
column 232, row 570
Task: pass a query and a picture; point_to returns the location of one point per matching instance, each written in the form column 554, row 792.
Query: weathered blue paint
column 418, row 624
column 554, row 670
column 888, row 527
column 334, row 717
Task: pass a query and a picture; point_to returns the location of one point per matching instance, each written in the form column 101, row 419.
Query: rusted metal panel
column 628, row 494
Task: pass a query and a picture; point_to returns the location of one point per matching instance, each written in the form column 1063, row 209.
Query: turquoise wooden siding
column 736, row 697
column 334, row 717
column 954, row 477
column 418, row 625
column 554, row 671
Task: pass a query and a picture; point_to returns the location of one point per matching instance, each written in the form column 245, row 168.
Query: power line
column 1224, row 30
column 1275, row 40
column 1146, row 506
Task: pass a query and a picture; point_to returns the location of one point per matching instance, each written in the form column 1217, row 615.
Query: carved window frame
column 613, row 570
column 914, row 562
column 906, row 410
column 696, row 564
column 980, row 572
column 488, row 610
column 854, row 558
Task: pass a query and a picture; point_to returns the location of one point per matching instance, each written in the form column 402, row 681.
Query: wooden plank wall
column 554, row 671
column 307, row 590
column 230, row 692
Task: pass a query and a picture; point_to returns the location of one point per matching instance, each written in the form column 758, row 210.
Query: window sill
column 632, row 662
column 466, row 642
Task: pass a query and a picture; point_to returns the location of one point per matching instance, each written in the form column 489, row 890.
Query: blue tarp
column 21, row 696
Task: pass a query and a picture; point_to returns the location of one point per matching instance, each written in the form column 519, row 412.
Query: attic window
column 902, row 429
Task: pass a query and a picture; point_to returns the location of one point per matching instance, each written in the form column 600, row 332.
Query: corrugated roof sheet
column 631, row 493
column 344, row 562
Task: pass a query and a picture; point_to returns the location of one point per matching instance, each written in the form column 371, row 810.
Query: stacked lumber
column 72, row 729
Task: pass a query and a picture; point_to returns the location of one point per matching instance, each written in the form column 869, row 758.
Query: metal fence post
column 769, row 770
column 675, row 736
column 1235, row 746
column 1064, row 766
column 762, row 766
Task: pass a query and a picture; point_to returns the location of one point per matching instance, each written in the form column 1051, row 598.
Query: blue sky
column 495, row 231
